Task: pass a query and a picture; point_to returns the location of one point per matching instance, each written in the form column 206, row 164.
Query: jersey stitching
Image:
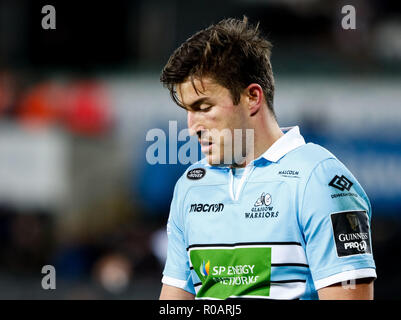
column 306, row 185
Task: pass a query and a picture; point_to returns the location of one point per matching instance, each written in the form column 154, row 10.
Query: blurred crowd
column 100, row 242
column 75, row 104
column 80, row 107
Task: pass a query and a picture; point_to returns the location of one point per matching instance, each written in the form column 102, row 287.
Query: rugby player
column 288, row 221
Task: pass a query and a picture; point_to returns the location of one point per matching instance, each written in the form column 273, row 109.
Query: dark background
column 82, row 97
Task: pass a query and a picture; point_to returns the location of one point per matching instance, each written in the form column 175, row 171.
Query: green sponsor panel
column 232, row 272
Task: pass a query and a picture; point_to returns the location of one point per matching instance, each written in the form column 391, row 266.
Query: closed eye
column 205, row 107
column 202, row 104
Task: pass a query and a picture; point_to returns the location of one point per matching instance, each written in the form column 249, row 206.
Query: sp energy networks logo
column 231, row 271
column 351, row 232
column 262, row 208
column 204, row 268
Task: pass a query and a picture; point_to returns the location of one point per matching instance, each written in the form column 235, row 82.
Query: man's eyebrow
column 198, row 102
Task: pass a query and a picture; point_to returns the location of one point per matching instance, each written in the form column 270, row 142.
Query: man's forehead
column 191, row 90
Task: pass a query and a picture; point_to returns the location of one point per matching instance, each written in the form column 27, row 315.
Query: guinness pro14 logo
column 351, row 232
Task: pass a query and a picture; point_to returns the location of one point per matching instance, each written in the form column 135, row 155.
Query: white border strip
column 174, row 282
column 280, row 253
column 278, row 291
column 287, row 291
column 345, row 276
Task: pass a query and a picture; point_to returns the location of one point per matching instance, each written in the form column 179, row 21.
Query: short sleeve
column 335, row 220
column 177, row 271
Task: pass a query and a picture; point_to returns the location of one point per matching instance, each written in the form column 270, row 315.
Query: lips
column 205, row 142
column 206, row 145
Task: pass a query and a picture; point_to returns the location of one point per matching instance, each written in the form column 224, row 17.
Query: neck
column 266, row 132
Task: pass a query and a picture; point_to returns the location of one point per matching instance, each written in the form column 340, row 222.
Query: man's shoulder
column 309, row 155
column 304, row 159
column 325, row 168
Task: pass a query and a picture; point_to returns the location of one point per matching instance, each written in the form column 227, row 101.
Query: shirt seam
column 306, row 185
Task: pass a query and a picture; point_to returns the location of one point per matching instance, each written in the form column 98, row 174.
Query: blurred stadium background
column 76, row 103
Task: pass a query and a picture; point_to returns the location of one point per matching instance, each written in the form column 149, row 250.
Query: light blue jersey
column 294, row 220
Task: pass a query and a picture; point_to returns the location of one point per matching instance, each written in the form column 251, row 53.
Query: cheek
column 224, row 117
column 211, row 120
column 231, row 119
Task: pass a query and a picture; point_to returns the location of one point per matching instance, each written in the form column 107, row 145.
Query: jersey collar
column 291, row 139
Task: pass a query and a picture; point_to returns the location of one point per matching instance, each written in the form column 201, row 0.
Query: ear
column 253, row 98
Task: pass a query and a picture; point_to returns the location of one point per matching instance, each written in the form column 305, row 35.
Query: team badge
column 264, row 200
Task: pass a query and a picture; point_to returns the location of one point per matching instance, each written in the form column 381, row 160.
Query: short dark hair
column 232, row 52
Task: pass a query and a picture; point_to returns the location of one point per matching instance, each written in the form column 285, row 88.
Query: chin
column 213, row 160
column 216, row 160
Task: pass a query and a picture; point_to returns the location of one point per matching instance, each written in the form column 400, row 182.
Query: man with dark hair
column 263, row 215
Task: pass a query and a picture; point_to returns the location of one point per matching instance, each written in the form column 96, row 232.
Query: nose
column 193, row 122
